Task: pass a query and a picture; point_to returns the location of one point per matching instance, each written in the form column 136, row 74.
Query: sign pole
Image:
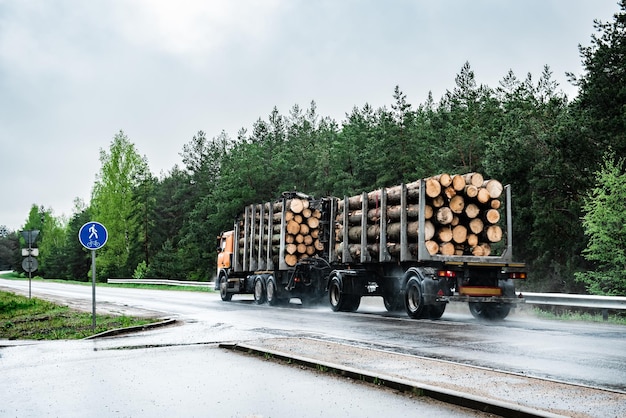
column 93, row 235
column 93, row 289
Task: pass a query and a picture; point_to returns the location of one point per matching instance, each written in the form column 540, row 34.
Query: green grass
column 573, row 315
column 22, row 318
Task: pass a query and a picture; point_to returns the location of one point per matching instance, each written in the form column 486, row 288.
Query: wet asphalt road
column 590, row 354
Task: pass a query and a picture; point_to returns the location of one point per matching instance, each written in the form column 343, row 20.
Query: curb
column 441, row 394
column 120, row 331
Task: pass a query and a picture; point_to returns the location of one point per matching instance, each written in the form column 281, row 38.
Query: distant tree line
column 563, row 159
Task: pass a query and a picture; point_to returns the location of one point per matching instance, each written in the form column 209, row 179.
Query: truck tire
column 436, row 311
column 339, row 301
column 414, row 299
column 270, row 292
column 223, row 286
column 259, row 291
column 393, row 303
column 489, row 311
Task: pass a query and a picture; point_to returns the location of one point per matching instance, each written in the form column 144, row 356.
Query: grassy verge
column 37, row 319
column 17, row 276
column 614, row 317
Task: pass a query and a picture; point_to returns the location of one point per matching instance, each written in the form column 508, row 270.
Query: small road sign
column 93, row 235
column 29, row 264
column 30, row 236
column 30, row 251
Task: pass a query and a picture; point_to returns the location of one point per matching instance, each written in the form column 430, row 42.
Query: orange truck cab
column 225, row 250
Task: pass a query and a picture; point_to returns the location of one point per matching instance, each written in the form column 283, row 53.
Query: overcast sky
column 73, row 73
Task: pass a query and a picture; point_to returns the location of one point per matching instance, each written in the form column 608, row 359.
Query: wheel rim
column 414, row 298
column 270, row 291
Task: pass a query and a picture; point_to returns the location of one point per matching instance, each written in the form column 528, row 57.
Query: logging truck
column 419, row 246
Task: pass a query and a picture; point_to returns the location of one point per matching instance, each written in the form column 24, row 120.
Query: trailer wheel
column 270, row 293
column 490, row 311
column 336, row 298
column 259, row 291
column 436, row 311
column 223, row 285
column 414, row 299
column 393, row 304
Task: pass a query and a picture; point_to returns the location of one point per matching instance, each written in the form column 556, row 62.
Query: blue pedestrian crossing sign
column 93, row 235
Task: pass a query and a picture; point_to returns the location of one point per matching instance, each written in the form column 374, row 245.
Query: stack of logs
column 301, row 230
column 461, row 217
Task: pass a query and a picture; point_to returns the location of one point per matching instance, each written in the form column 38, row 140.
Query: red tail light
column 446, row 273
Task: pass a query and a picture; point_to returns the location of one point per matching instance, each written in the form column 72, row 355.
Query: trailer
column 379, row 244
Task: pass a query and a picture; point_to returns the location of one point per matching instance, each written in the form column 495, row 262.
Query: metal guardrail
column 581, row 301
column 553, row 299
column 165, row 282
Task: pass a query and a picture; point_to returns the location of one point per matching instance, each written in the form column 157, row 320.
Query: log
column 475, row 179
column 471, row 191
column 291, row 260
column 493, row 233
column 438, row 202
column 483, row 195
column 444, row 234
column 291, row 248
column 293, row 227
column 313, row 222
column 476, row 226
column 393, row 230
column 458, row 183
column 301, row 248
column 457, row 203
column 472, row 240
column 433, row 187
column 495, row 204
column 297, row 205
column 444, row 179
column 472, row 210
column 429, row 230
column 447, row 248
column 444, row 215
column 432, row 247
column 449, row 192
column 428, row 212
column 482, row 250
column 459, row 234
column 492, row 216
column 304, row 229
column 306, row 213
column 494, row 187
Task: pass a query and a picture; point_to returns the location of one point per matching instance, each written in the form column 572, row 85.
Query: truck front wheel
column 223, row 286
column 491, row 311
column 414, row 299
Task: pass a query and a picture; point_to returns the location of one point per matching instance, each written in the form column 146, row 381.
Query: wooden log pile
column 461, row 215
column 301, row 231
